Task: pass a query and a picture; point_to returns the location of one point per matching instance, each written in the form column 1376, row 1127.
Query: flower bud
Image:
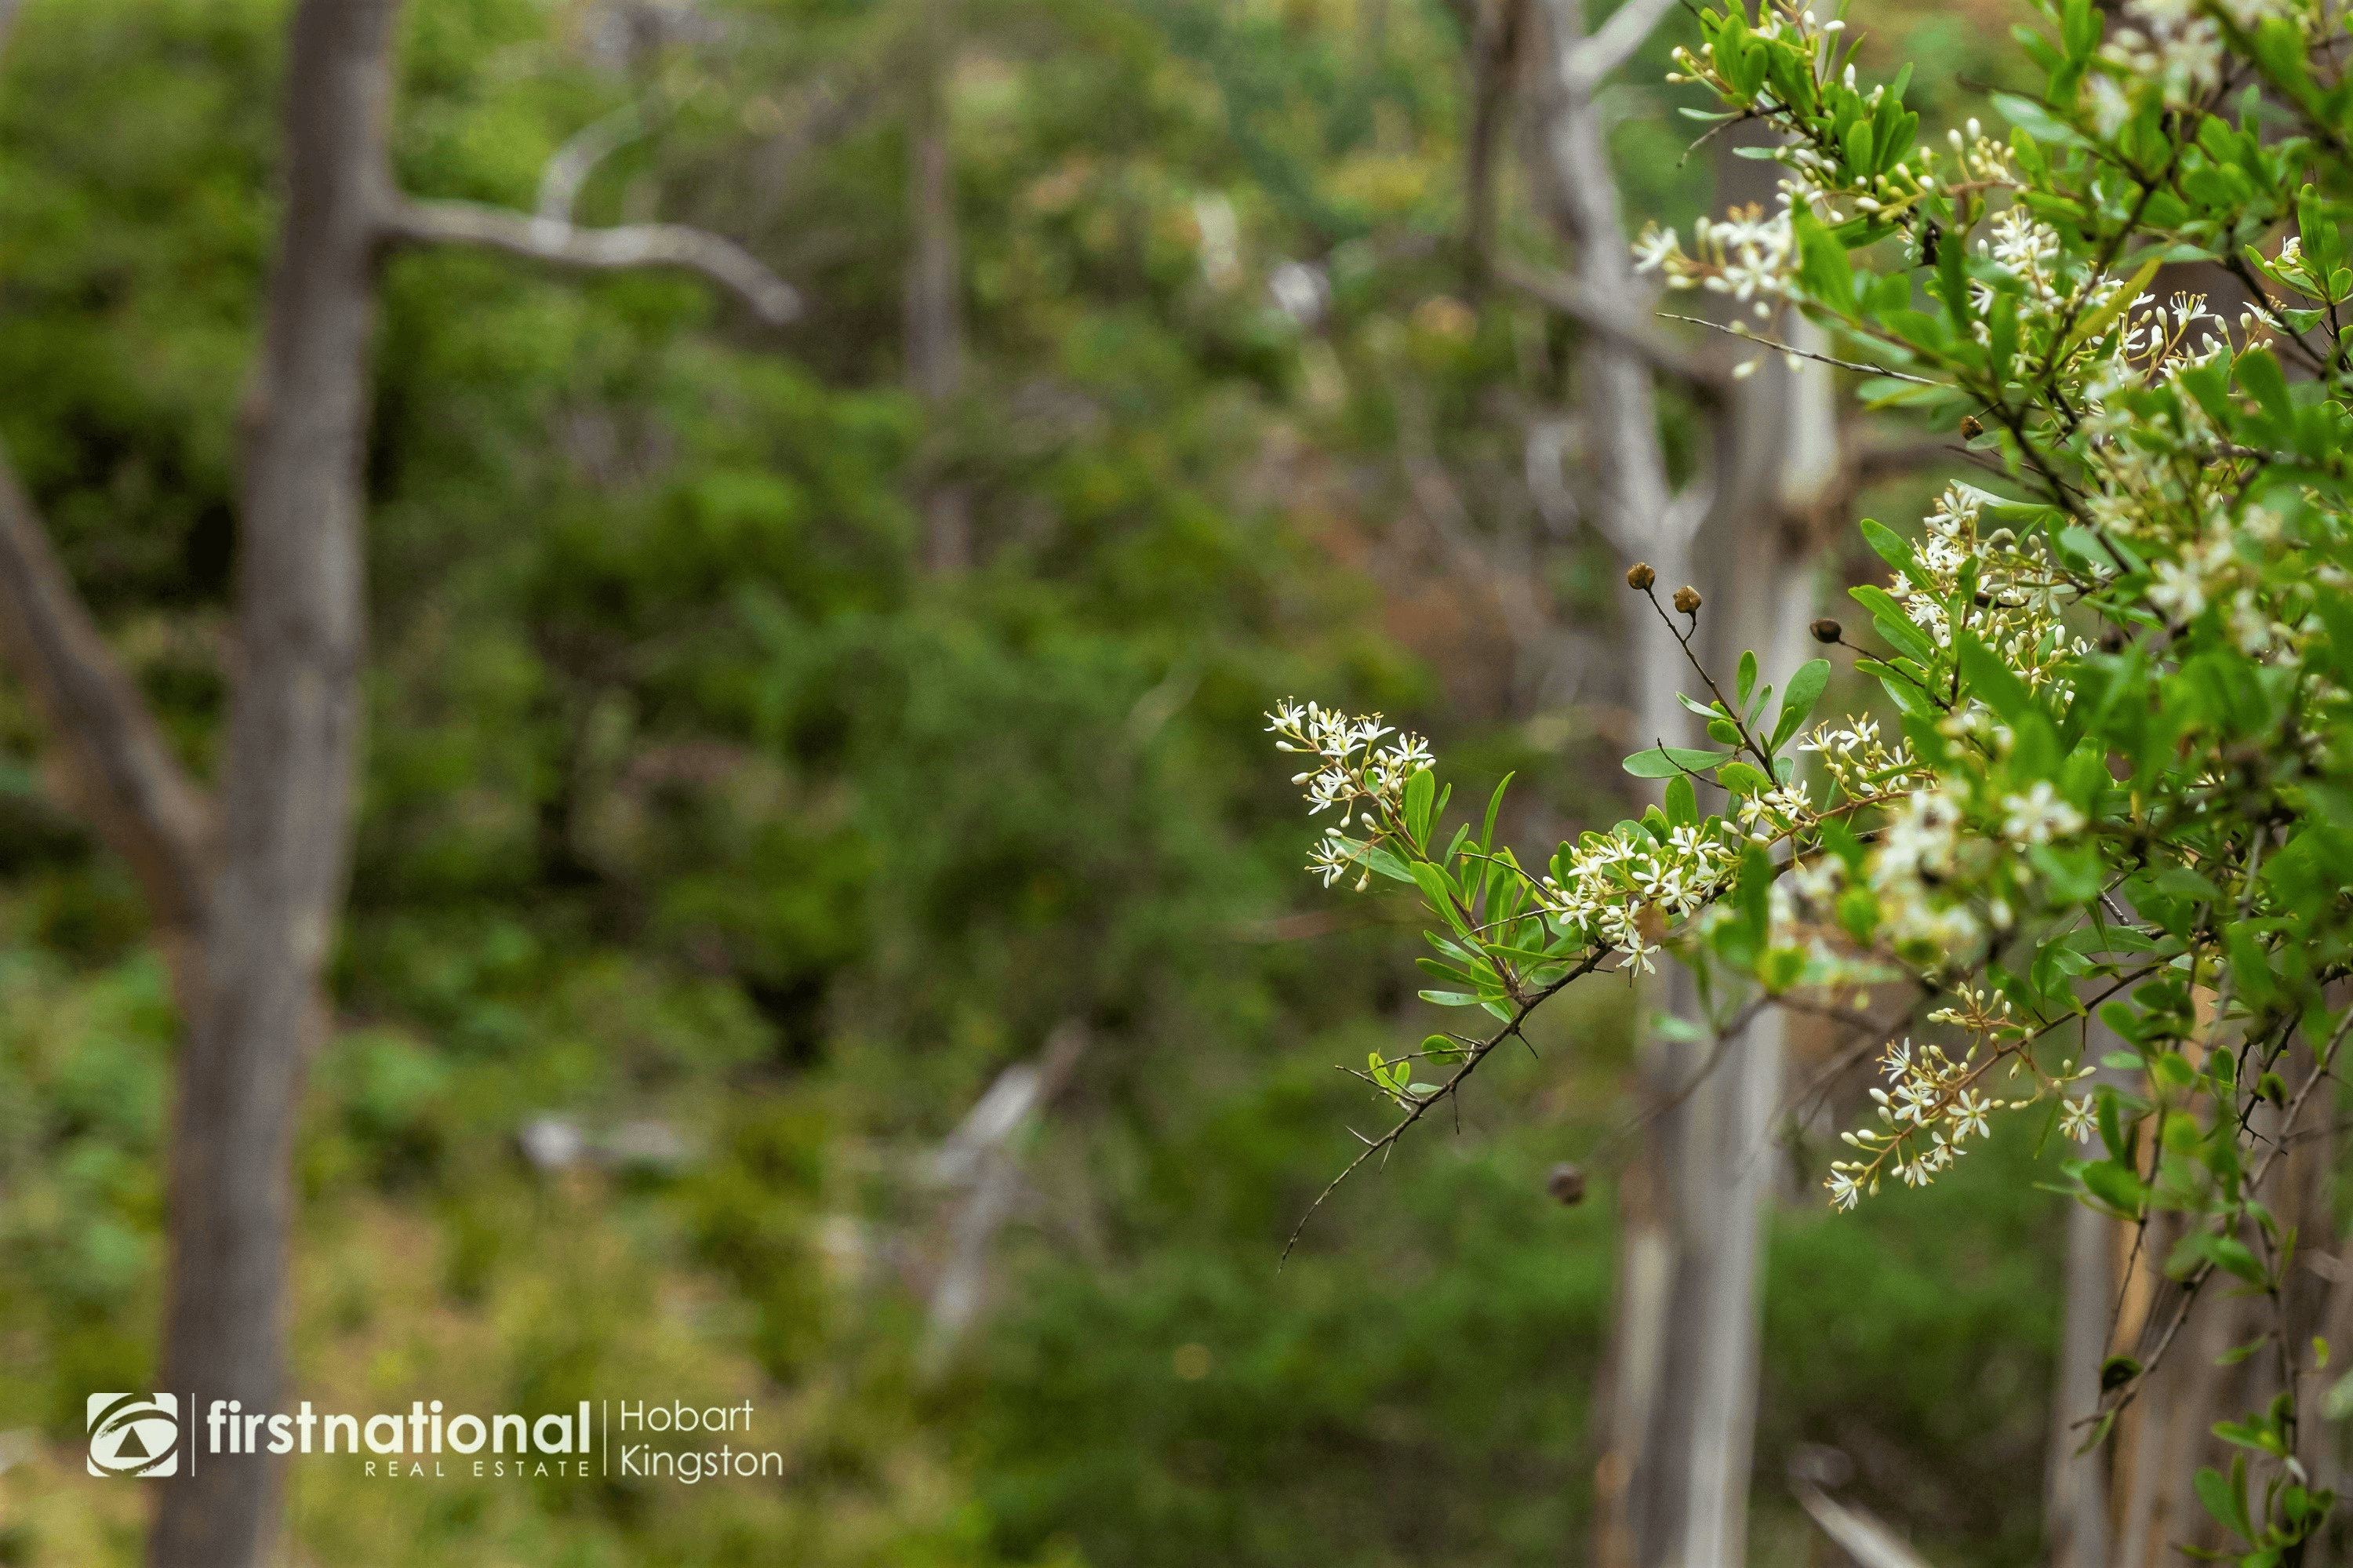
column 1827, row 631
column 1639, row 575
column 1687, row 600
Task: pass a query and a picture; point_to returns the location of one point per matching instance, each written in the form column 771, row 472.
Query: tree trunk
column 2076, row 1485
column 293, row 738
column 935, row 297
column 1671, row 1485
column 244, row 892
column 2166, row 1435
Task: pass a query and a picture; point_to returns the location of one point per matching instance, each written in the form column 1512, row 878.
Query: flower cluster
column 1354, row 772
column 1624, row 890
column 1863, row 768
column 1921, row 873
column 1747, row 255
column 2167, row 43
column 1936, row 1100
column 1822, row 178
column 2021, row 591
column 1931, row 1107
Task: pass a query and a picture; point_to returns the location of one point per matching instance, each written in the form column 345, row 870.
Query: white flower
column 2040, row 815
column 2178, row 590
column 1653, row 249
column 2111, row 105
column 2075, row 1118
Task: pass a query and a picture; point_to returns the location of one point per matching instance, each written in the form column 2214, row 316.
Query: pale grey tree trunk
column 2076, row 1485
column 1686, row 1492
column 1677, row 1435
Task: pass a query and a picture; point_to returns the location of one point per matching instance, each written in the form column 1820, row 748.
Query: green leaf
column 1891, row 547
column 1440, row 890
column 1666, row 761
column 2116, row 1186
column 1448, row 998
column 1494, row 804
column 1420, row 792
column 2092, row 327
column 2224, row 1502
column 2259, row 374
column 1683, row 802
column 1740, row 778
column 1991, row 681
column 2036, row 121
column 1893, row 624
column 1798, row 702
column 1822, row 266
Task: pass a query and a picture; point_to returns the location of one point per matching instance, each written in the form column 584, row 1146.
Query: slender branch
column 116, row 770
column 1718, row 1049
column 1445, row 1091
column 1731, row 712
column 718, row 259
column 2128, row 1392
column 1800, row 352
column 1613, row 43
column 571, row 164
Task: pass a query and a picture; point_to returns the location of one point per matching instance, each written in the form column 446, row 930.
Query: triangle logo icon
column 131, row 1447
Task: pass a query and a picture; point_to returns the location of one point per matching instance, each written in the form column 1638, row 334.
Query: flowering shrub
column 2116, row 779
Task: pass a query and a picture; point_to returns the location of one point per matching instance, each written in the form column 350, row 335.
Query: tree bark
column 1671, row 1484
column 2075, row 1522
column 293, row 741
column 245, row 896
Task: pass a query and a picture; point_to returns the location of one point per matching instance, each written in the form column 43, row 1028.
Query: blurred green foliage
column 691, row 804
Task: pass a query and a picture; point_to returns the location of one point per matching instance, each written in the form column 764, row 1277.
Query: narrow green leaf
column 1798, row 702
column 1666, row 761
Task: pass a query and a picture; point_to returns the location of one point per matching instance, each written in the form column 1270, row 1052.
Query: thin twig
column 1447, row 1090
column 1801, row 353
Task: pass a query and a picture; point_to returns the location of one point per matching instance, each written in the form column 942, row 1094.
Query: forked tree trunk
column 245, row 891
column 293, row 738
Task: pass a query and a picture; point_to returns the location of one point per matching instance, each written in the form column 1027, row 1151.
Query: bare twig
column 2126, row 1393
column 571, row 164
column 1777, row 347
column 1445, row 1091
column 1613, row 43
column 718, row 259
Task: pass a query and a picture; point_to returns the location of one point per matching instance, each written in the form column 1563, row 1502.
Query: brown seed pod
column 1566, row 1183
column 1687, row 600
column 1639, row 575
column 1827, row 631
